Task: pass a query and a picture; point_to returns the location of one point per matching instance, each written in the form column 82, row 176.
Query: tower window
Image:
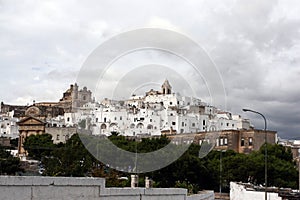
column 225, row 141
column 242, row 142
column 250, row 141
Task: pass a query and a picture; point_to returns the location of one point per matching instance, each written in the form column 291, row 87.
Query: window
column 104, row 119
column 250, row 141
column 242, row 142
column 96, row 119
column 174, row 123
column 225, row 141
column 193, row 124
column 120, row 117
column 204, row 122
column 182, row 123
column 232, row 125
column 217, row 142
column 227, row 124
column 221, row 141
column 150, row 120
column 171, row 103
column 200, row 142
column 68, row 119
column 66, row 137
column 84, row 98
column 57, row 137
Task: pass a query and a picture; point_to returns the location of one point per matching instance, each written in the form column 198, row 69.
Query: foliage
column 39, row 145
column 71, row 159
column 14, row 142
column 189, row 171
column 9, row 165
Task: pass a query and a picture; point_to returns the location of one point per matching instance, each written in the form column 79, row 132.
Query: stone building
column 17, row 109
column 33, row 123
column 74, row 98
column 60, row 134
column 241, row 141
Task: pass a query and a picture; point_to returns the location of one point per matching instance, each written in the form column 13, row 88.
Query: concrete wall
column 67, row 188
column 205, row 195
column 238, row 192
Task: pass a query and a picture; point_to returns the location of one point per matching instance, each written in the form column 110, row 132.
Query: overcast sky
column 254, row 44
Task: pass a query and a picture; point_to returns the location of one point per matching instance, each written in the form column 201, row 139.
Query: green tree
column 39, row 145
column 71, row 159
column 9, row 165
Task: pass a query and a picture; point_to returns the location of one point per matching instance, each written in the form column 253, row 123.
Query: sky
column 254, row 45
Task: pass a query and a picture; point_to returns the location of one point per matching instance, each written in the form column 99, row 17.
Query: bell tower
column 166, row 87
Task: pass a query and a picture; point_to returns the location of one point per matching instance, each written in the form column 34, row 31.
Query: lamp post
column 266, row 152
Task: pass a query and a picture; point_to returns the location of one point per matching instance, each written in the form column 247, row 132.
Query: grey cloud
column 254, row 44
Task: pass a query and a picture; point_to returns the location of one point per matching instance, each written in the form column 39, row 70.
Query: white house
column 154, row 113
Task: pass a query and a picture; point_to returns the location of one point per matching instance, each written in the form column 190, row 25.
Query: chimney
column 148, row 182
column 134, row 181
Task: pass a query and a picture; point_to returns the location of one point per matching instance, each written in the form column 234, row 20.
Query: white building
column 8, row 125
column 154, row 113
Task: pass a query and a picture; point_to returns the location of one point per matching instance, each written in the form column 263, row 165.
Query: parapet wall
column 239, row 191
column 69, row 188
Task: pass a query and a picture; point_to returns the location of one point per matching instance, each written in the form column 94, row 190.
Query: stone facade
column 5, row 142
column 60, row 134
column 33, row 123
column 241, row 141
column 74, row 98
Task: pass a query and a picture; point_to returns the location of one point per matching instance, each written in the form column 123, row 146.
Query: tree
column 39, row 145
column 71, row 159
column 9, row 165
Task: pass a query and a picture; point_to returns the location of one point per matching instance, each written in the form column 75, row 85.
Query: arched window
column 113, row 127
column 103, row 126
column 140, row 125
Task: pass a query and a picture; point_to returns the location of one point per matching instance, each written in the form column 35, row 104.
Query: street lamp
column 266, row 152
